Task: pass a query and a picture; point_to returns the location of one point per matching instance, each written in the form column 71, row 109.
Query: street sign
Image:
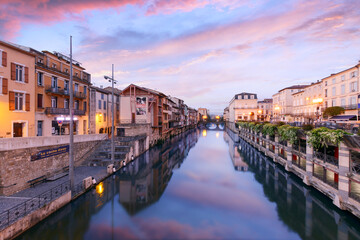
column 60, row 122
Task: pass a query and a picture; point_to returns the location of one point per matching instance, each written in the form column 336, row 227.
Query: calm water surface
column 201, row 185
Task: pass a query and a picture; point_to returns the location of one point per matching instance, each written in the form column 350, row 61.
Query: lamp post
column 71, row 145
column 113, row 81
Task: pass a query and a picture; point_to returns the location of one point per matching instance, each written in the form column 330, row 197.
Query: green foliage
column 258, row 127
column 333, row 111
column 269, row 129
column 307, row 127
column 288, row 133
column 280, row 124
column 321, row 137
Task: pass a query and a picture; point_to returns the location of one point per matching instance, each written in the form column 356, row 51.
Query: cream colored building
column 342, row 89
column 226, row 114
column 265, row 109
column 308, row 103
column 243, row 106
column 283, row 103
column 17, row 91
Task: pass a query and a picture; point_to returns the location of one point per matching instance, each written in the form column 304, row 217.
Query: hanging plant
column 252, row 125
column 322, row 137
column 258, row 127
column 269, row 129
column 288, row 133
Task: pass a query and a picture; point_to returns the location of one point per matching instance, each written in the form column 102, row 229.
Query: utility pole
column 71, row 147
column 113, row 81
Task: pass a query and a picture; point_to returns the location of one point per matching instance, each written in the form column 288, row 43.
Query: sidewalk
column 81, row 172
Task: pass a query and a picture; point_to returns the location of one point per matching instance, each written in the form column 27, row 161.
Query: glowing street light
column 260, row 111
column 277, row 108
column 317, row 100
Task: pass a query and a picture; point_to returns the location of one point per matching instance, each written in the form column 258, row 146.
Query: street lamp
column 113, row 81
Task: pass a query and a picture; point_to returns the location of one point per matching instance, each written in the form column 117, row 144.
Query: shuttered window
column 4, row 86
column 11, row 101
column 27, row 102
column 3, row 58
column 40, row 101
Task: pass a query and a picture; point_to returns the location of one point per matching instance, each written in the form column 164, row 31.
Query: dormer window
column 54, row 65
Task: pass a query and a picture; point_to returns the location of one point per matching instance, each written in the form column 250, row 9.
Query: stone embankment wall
column 16, row 167
column 334, row 183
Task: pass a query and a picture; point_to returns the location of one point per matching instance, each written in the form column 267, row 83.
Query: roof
column 116, row 90
column 267, row 100
column 332, row 75
column 101, row 90
column 294, row 87
column 20, row 48
column 146, row 90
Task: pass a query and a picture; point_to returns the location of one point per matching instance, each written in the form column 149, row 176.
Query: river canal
column 201, row 185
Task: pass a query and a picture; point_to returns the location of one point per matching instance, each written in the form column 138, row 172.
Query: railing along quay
column 337, row 176
column 13, row 214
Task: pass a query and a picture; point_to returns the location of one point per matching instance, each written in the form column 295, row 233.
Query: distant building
column 226, row 114
column 342, row 89
column 283, row 103
column 308, row 103
column 202, row 112
column 265, row 109
column 243, row 107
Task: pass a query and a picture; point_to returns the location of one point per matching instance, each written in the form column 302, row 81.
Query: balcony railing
column 326, row 158
column 63, row 111
column 65, row 92
column 133, row 121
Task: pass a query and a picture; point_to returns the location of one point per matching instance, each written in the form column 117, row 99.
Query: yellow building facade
column 17, row 92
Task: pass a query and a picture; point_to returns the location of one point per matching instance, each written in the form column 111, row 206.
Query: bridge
column 213, row 125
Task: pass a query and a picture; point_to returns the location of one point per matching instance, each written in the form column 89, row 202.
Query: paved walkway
column 81, row 172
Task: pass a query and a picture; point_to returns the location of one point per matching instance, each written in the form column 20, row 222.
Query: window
column 66, row 86
column 40, row 60
column 334, row 91
column 352, row 101
column 40, row 79
column 54, row 65
column 40, row 101
column 102, row 96
column 333, row 103
column 343, row 89
column 326, row 104
column 54, row 102
column 353, row 74
column 54, row 82
column 99, row 106
column 84, row 106
column 66, row 70
column 19, row 71
column 343, row 102
column 104, row 105
column 77, row 104
column 39, row 128
column 19, row 101
column 76, row 87
column 353, row 87
column 85, row 90
column 251, row 96
column 104, row 117
column 333, row 80
column 245, row 96
column 325, row 92
column 342, row 77
column 66, row 103
column 325, row 83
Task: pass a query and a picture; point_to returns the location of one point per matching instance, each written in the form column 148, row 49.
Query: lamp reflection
column 100, row 188
column 204, row 133
column 217, row 135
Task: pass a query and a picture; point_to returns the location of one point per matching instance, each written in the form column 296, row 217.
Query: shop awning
column 344, row 118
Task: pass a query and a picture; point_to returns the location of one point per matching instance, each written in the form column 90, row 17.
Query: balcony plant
column 269, row 129
column 322, row 137
column 258, row 127
column 288, row 133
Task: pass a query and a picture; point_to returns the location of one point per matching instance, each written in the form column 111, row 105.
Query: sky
column 202, row 51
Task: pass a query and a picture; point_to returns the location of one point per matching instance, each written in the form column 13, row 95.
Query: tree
column 333, row 111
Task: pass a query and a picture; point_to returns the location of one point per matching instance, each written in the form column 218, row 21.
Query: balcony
column 64, row 92
column 63, row 111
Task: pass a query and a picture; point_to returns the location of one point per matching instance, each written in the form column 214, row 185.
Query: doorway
column 18, row 129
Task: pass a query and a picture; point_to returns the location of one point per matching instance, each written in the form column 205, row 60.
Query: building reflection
column 302, row 208
column 235, row 153
column 143, row 182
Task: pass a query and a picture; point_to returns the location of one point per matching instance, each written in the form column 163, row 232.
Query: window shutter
column 4, row 59
column 4, row 86
column 13, row 71
column 11, row 101
column 27, row 102
column 26, row 74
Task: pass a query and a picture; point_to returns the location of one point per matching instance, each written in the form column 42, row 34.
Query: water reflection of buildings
column 303, row 209
column 145, row 180
column 234, row 152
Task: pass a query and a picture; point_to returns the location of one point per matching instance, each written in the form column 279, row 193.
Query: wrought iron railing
column 326, row 158
column 63, row 111
column 129, row 121
column 13, row 214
